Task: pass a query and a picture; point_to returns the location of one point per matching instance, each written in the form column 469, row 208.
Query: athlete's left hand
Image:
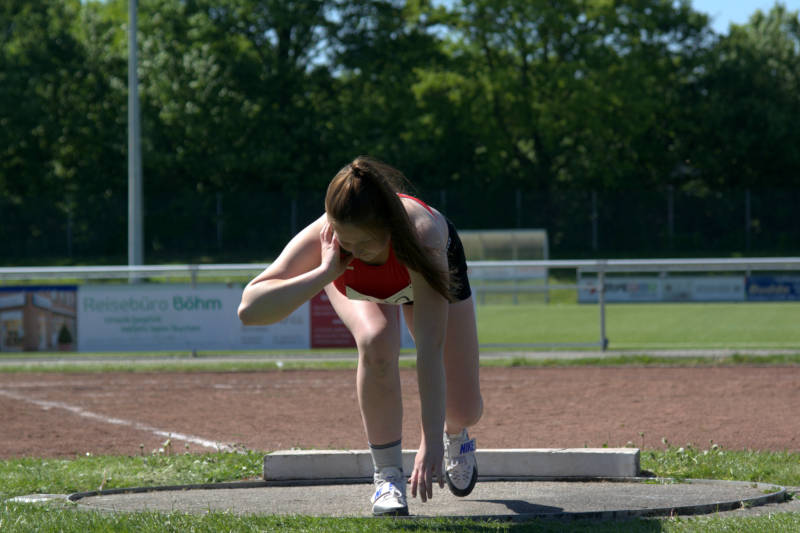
column 427, row 467
column 333, row 260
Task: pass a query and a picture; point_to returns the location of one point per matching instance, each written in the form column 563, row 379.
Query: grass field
column 736, row 326
column 646, row 326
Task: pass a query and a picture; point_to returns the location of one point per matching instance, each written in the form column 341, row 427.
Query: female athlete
column 375, row 248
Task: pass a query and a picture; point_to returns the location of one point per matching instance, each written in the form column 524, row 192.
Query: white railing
column 694, row 265
column 194, row 272
column 538, row 269
column 586, row 265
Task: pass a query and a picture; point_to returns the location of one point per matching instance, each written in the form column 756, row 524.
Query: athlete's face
column 366, row 244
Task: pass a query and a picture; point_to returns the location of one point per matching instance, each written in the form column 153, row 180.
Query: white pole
column 135, row 200
column 601, row 295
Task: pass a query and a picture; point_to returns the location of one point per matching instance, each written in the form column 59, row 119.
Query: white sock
column 387, row 455
column 455, row 435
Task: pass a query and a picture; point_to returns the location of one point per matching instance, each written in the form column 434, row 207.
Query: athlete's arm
column 430, row 323
column 310, row 261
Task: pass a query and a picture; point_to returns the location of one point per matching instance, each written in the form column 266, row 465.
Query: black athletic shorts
column 457, row 262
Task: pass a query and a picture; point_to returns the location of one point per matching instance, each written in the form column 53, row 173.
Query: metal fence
column 192, row 226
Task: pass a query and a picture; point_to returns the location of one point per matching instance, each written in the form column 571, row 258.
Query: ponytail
column 365, row 193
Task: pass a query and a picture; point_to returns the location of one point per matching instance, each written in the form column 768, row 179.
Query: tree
column 748, row 105
column 378, row 49
column 230, row 107
column 57, row 133
column 573, row 94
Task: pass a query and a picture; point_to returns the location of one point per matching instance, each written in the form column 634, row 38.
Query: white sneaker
column 460, row 467
column 389, row 498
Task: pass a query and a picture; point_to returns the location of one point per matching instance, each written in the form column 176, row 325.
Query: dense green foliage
column 530, row 104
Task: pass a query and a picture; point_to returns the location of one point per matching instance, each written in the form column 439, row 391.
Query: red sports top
column 387, row 283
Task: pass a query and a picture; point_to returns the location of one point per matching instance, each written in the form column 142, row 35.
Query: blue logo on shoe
column 380, row 491
column 467, row 447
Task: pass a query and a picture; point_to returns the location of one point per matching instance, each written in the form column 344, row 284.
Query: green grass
column 60, row 476
column 161, row 354
column 18, row 518
column 714, row 462
column 649, row 360
column 31, row 475
column 633, row 328
column 647, row 326
column 632, row 359
column 167, row 366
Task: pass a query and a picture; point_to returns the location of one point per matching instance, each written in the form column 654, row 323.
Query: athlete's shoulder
column 429, row 224
column 308, row 238
column 318, row 223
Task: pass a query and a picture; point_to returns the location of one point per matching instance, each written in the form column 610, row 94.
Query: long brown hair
column 364, row 193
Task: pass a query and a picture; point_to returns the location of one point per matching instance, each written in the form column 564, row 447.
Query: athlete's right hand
column 334, row 262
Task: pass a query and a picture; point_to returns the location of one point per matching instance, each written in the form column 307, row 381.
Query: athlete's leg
column 461, row 360
column 464, row 401
column 376, row 329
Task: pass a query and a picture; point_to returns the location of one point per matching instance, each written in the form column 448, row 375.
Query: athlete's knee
column 378, row 348
column 465, row 411
column 477, row 411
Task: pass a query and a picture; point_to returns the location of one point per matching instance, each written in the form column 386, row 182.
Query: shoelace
column 458, row 467
column 385, row 491
column 395, row 480
column 459, row 470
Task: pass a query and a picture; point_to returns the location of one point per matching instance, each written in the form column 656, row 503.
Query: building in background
column 38, row 319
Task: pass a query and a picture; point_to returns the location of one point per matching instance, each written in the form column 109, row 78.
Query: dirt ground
column 64, row 415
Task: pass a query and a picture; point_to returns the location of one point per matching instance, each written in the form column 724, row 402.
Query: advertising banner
column 138, row 317
column 291, row 333
column 508, row 273
column 704, row 289
column 327, row 330
column 621, row 290
column 671, row 289
column 155, row 317
column 177, row 317
column 773, row 288
column 38, row 318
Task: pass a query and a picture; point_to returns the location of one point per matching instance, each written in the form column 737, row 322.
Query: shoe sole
column 396, row 512
column 465, row 491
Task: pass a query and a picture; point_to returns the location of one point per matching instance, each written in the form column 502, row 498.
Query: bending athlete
column 373, row 249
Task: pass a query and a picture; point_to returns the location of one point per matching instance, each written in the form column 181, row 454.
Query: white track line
column 44, row 404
